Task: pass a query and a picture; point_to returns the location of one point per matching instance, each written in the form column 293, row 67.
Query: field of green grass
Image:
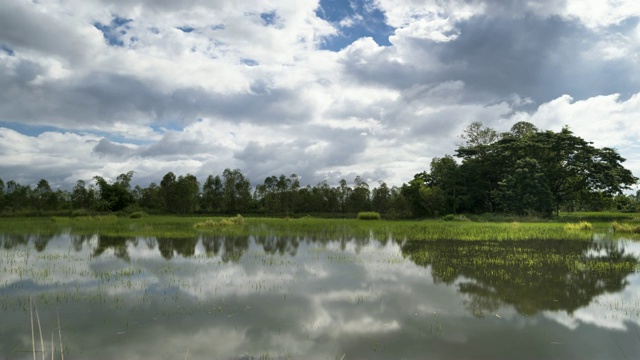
column 567, row 226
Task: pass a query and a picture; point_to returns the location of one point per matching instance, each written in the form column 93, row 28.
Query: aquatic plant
column 582, row 225
column 237, row 220
column 368, row 215
column 625, row 228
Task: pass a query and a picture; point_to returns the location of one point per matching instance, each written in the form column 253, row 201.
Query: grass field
column 188, row 227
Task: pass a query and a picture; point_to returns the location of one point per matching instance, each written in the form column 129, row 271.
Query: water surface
column 218, row 297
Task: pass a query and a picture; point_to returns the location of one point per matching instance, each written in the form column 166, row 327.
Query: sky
column 324, row 89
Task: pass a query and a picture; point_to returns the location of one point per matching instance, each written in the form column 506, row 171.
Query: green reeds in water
column 368, row 215
column 580, row 226
column 237, row 220
column 626, row 228
column 34, row 307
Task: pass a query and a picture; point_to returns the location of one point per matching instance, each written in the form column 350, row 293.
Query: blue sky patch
column 169, row 126
column 359, row 19
column 249, row 62
column 269, row 18
column 29, row 130
column 186, row 29
column 114, row 31
column 37, row 130
column 7, row 49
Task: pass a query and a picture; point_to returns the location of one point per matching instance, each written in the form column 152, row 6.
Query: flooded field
column 273, row 297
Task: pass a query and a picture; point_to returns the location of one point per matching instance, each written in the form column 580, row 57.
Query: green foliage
column 625, row 228
column 237, row 220
column 137, row 214
column 368, row 215
column 531, row 171
column 525, row 190
column 114, row 196
column 582, row 225
column 452, row 217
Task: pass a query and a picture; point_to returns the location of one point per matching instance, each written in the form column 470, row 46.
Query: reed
column 191, row 227
column 368, row 215
column 581, row 226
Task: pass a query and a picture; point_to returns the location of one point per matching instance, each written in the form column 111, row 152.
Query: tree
column 571, row 167
column 522, row 129
column 116, row 196
column 476, row 134
column 80, row 196
column 187, row 190
column 168, row 191
column 2, row 196
column 236, row 192
column 359, row 197
column 525, row 191
column 212, row 193
column 42, row 195
column 151, row 197
column 444, row 175
column 17, row 196
column 381, row 198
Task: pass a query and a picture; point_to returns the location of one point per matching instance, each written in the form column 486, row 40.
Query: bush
column 137, row 214
column 238, row 220
column 368, row 215
column 582, row 225
column 452, row 217
column 625, row 228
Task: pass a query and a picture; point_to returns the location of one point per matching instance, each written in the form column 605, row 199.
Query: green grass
column 368, row 215
column 581, row 226
column 190, row 227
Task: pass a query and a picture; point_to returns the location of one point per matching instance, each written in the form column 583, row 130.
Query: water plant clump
column 625, row 228
column 237, row 220
column 137, row 214
column 582, row 225
column 452, row 217
column 368, row 215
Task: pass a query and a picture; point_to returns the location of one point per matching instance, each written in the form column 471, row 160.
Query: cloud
column 201, row 86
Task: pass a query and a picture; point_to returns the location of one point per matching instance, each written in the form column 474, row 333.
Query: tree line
column 524, row 172
column 229, row 193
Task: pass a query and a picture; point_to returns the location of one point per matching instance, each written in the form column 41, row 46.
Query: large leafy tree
column 117, row 195
column 236, row 191
column 212, row 193
column 567, row 165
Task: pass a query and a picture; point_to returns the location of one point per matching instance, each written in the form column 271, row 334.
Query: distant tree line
column 229, row 193
column 523, row 172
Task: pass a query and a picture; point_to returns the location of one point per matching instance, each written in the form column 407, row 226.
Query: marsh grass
column 581, row 226
column 237, row 220
column 626, row 228
column 33, row 307
column 368, row 215
column 190, row 227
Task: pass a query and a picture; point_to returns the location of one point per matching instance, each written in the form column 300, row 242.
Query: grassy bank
column 186, row 227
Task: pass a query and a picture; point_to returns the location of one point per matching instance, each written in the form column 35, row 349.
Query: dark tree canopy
column 527, row 162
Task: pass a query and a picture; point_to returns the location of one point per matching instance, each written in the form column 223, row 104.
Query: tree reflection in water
column 532, row 275
column 232, row 247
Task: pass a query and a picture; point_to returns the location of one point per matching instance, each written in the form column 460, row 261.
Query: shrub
column 237, row 220
column 452, row 217
column 582, row 225
column 625, row 228
column 137, row 214
column 368, row 215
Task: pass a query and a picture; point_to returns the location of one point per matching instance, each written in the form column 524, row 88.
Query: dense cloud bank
column 322, row 89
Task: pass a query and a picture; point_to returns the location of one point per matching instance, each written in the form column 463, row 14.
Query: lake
column 268, row 297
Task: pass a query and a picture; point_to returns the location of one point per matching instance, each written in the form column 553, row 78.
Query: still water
column 311, row 298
